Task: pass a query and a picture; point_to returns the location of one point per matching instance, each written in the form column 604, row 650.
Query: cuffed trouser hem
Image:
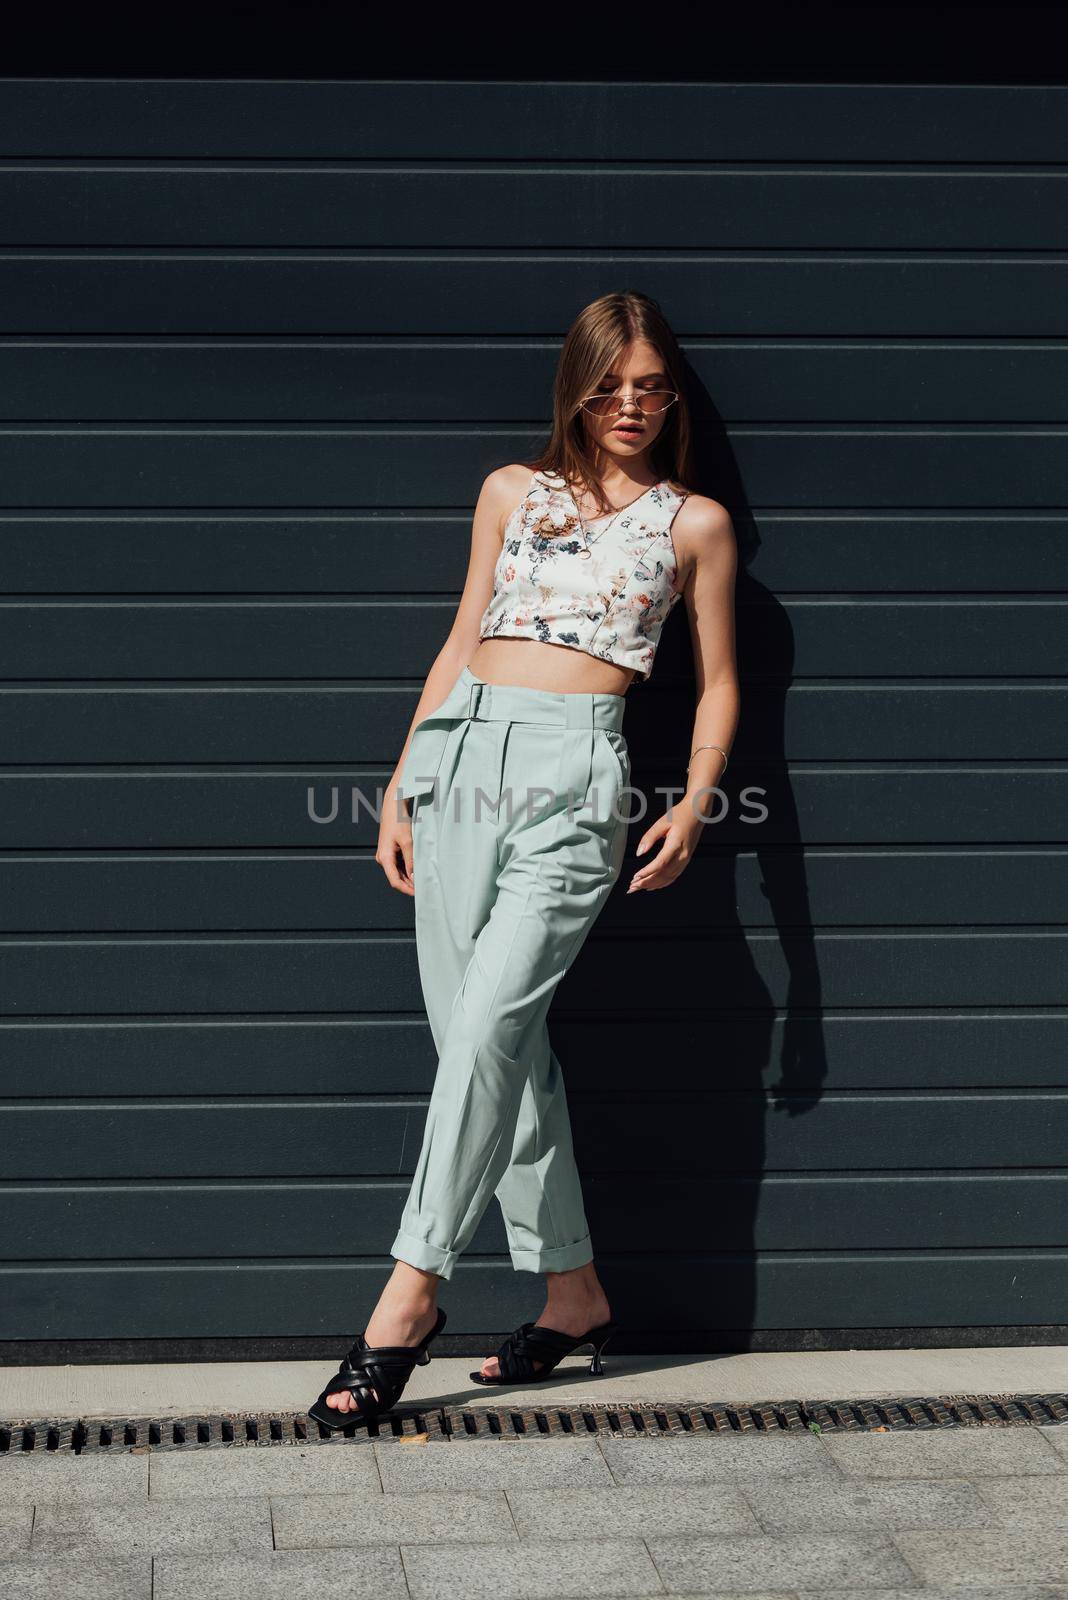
column 428, row 1257
column 561, row 1259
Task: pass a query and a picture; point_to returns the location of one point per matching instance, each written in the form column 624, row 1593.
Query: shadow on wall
column 673, row 1025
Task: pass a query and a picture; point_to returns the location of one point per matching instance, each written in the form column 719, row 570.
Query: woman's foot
column 405, row 1313
column 575, row 1302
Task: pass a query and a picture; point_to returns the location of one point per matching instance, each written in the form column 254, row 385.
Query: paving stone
column 824, row 1504
column 566, row 1569
column 16, row 1520
column 737, row 1458
column 155, row 1527
column 1027, row 1591
column 954, row 1453
column 1057, row 1435
column 491, row 1464
column 334, row 1521
column 984, row 1557
column 46, row 1577
column 740, row 1563
column 282, row 1575
column 967, row 1591
column 631, row 1510
column 65, row 1479
column 1034, row 1505
column 265, row 1469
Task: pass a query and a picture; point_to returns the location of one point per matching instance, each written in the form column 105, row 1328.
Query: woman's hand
column 679, row 828
column 394, row 853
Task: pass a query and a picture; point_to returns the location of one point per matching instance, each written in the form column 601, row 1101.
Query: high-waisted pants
column 504, row 898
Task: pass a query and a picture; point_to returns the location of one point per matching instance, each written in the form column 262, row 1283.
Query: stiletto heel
column 597, row 1364
column 532, row 1342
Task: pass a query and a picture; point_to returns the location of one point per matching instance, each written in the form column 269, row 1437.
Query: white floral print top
column 609, row 598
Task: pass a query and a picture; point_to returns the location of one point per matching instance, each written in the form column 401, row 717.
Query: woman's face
column 626, row 432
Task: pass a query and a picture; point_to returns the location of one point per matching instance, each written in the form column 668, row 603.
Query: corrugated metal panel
column 258, row 344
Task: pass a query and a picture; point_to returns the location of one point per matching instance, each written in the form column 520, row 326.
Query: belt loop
column 579, row 711
column 576, row 751
column 474, row 699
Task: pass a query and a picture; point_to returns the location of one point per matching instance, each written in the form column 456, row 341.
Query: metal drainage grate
column 456, row 1423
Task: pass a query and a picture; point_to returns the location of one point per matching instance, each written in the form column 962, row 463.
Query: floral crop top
column 605, row 587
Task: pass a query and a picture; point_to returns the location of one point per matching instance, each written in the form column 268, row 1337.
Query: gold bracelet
column 720, row 748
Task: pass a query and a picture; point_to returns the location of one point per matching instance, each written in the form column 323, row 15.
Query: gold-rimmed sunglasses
column 650, row 402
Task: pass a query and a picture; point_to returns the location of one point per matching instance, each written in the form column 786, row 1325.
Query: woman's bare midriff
column 559, row 668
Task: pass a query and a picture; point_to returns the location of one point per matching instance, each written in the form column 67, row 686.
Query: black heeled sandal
column 533, row 1342
column 368, row 1368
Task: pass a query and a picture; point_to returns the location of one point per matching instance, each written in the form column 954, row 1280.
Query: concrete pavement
column 185, row 1390
column 967, row 1513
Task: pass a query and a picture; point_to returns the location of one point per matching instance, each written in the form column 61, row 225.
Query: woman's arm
column 501, row 492
column 707, row 535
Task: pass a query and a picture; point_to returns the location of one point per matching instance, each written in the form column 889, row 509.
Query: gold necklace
column 586, row 551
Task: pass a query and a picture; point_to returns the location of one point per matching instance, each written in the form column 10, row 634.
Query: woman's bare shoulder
column 703, row 523
column 502, row 491
column 509, row 482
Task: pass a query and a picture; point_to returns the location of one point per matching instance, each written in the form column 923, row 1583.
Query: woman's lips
column 629, row 433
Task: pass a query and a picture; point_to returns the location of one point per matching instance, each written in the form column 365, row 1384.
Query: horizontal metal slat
column 793, row 638
column 343, row 723
column 173, row 468
column 742, row 970
column 892, row 804
column 394, row 1055
column 606, row 205
column 517, row 120
column 765, row 1211
column 881, row 1290
column 821, row 292
column 820, row 551
column 510, row 380
column 335, row 888
column 306, row 1135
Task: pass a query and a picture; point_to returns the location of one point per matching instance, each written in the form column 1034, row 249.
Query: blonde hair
column 592, row 345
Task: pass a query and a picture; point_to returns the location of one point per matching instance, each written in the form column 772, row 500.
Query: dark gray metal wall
column 260, row 343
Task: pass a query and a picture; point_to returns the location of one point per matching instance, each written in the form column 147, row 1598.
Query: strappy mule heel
column 368, row 1369
column 533, row 1342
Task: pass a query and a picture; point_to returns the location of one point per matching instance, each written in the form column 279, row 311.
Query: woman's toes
column 491, row 1367
column 343, row 1400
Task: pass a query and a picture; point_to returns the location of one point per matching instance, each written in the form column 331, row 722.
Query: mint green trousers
column 518, row 834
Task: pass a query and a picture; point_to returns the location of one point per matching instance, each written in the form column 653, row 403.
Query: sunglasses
column 650, row 402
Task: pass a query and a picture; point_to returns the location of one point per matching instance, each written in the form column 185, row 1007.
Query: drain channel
column 452, row 1424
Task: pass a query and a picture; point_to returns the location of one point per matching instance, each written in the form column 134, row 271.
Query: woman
column 576, row 559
